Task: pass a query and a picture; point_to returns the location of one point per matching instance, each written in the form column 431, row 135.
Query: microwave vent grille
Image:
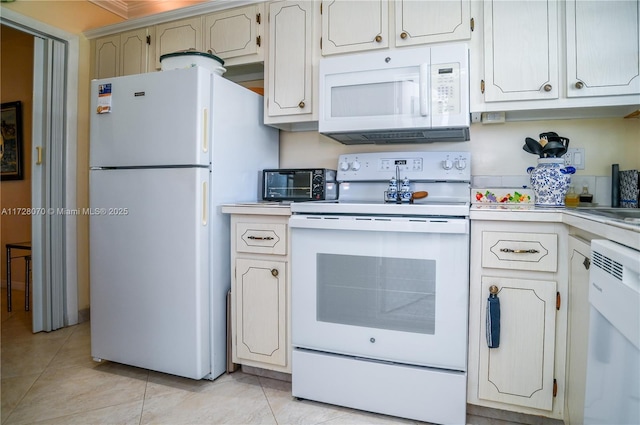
column 402, row 136
column 390, row 136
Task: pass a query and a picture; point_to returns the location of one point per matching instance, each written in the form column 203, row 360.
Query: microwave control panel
column 445, row 93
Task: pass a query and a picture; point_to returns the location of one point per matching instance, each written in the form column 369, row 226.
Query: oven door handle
column 381, row 224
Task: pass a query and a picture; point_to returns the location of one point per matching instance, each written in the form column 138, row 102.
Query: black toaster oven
column 299, row 184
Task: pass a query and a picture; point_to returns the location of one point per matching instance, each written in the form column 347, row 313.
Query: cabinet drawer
column 520, row 251
column 261, row 238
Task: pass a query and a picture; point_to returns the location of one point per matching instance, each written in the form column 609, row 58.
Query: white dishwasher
column 613, row 359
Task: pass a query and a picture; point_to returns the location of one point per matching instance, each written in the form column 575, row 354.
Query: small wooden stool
column 27, row 271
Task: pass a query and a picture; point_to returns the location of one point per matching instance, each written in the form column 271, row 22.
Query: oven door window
column 377, row 292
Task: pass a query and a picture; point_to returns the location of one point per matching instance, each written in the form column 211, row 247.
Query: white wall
column 496, row 150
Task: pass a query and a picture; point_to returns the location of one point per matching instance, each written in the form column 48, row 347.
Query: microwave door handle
column 423, row 86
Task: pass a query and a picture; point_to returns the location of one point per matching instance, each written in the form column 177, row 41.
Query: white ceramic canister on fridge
column 550, row 182
column 190, row 58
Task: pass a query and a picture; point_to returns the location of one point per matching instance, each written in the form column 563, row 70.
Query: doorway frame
column 68, row 119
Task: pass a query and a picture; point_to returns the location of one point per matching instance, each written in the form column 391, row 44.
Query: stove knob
column 461, row 164
column 355, row 165
column 344, row 166
column 447, row 164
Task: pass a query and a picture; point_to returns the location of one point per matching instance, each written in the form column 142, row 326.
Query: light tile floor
column 50, row 378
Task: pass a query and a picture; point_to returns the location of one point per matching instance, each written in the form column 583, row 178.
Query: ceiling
column 132, row 9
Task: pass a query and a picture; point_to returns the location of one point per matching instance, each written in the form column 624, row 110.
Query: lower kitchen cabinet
column 580, row 263
column 260, row 311
column 520, row 371
column 260, row 290
column 527, row 262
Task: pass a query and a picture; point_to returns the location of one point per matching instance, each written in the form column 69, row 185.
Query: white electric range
column 380, row 283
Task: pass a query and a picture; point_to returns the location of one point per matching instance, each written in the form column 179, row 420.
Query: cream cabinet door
column 134, row 51
column 289, row 65
column 419, row 22
column 260, row 311
column 107, row 57
column 353, row 26
column 580, row 263
column 521, row 370
column 603, row 45
column 520, row 50
column 179, row 35
column 235, row 35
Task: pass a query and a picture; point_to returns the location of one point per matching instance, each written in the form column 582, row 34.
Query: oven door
column 391, row 289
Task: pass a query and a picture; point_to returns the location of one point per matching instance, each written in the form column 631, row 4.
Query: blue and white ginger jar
column 550, row 182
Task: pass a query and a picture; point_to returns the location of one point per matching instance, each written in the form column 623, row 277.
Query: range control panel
column 381, row 166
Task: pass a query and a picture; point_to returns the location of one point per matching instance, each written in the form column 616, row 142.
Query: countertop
column 601, row 227
column 258, row 208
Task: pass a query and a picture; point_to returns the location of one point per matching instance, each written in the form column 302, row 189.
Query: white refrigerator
column 166, row 150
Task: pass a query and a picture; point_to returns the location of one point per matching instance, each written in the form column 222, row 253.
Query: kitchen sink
column 629, row 215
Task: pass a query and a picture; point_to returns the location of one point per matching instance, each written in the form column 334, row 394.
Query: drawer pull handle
column 520, row 251
column 261, row 238
column 274, row 272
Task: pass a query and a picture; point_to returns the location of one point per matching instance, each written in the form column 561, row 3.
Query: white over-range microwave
column 413, row 95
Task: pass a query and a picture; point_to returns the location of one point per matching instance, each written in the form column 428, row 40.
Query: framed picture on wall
column 11, row 141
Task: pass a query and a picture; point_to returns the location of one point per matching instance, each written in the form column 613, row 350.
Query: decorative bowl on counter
column 501, row 195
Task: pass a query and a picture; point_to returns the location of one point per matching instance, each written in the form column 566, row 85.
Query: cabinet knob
column 404, row 35
column 301, row 104
column 547, row 87
column 579, row 84
column 378, row 38
column 274, row 272
column 586, row 263
column 493, row 290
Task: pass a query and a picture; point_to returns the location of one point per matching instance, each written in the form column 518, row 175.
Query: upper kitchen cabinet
column 135, row 47
column 523, row 64
column 354, row 26
column 236, row 35
column 520, row 50
column 418, row 22
column 126, row 53
column 107, row 57
column 603, row 45
column 179, row 35
column 289, row 65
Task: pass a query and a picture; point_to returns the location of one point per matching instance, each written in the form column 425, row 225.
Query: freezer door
column 158, row 118
column 150, row 284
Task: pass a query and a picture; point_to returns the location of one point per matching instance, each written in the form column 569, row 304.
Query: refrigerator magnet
column 104, row 99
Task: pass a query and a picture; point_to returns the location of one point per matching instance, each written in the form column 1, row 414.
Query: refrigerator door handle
column 205, row 203
column 205, row 130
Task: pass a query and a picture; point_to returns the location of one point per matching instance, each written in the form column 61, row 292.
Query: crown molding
column 186, row 12
column 119, row 7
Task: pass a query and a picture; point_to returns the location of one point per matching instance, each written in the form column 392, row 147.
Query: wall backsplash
column 496, row 150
